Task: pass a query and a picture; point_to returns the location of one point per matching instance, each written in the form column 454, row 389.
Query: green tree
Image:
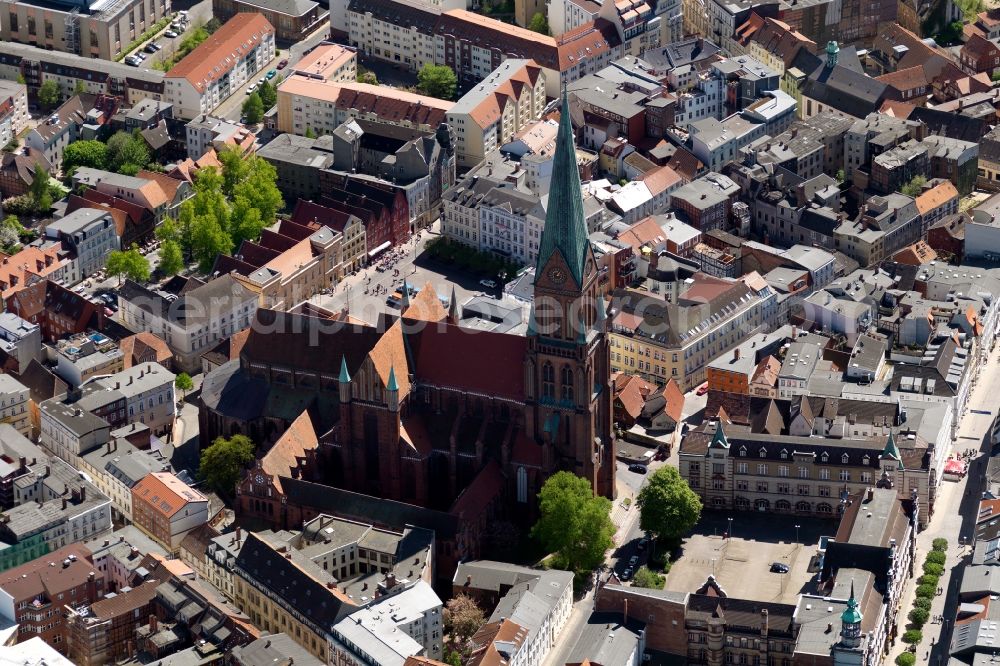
column 367, row 76
column 437, row 81
column 574, row 524
column 667, row 506
column 933, row 569
column 127, row 153
column 268, row 94
column 452, row 658
column 940, row 544
column 923, row 602
column 171, row 258
column 936, row 557
column 914, row 187
column 222, row 462
column 927, row 579
column 539, row 23
column 646, row 577
column 841, row 175
column 906, row 659
column 10, row 234
column 40, row 190
column 926, row 591
column 49, row 94
column 310, row 134
column 919, row 617
column 86, row 153
column 209, row 240
column 258, row 185
column 128, row 263
column 253, row 108
column 79, row 88
column 184, row 383
column 913, row 636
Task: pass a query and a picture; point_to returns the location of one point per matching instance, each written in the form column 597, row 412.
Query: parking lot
column 742, row 566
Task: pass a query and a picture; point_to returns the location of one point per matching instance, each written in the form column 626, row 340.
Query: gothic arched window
column 567, row 383
column 548, row 381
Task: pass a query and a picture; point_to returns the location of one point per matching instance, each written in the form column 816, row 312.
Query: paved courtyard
column 742, row 566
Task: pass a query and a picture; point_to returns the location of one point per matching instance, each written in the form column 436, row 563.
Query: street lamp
column 796, row 534
column 730, row 532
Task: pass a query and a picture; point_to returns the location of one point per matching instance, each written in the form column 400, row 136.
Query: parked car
column 638, row 469
column 251, row 88
column 272, row 73
column 489, row 284
column 643, row 543
column 779, row 567
column 283, row 64
column 632, row 561
column 170, row 33
column 703, row 389
column 150, row 48
column 133, row 62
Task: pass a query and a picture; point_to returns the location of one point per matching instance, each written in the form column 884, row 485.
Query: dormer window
column 844, row 459
column 743, row 452
column 865, row 460
column 824, row 457
column 763, row 452
column 784, row 454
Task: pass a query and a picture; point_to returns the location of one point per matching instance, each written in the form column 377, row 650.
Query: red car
column 282, row 64
column 703, row 389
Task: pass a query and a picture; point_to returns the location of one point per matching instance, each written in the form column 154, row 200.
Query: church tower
column 568, row 368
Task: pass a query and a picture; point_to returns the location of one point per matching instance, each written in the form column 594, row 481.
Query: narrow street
column 954, row 499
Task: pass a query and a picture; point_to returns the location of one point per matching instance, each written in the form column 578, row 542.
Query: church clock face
column 557, row 275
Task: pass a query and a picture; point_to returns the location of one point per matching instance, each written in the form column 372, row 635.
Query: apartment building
column 89, row 235
column 116, row 468
column 13, row 110
column 167, row 509
column 66, row 124
column 281, row 589
column 706, row 203
column 149, row 395
column 765, row 472
column 193, row 322
column 70, row 431
column 20, row 340
column 400, row 625
column 229, row 59
column 411, row 34
column 288, row 266
column 32, row 596
column 88, row 29
column 292, row 21
column 307, row 104
column 354, row 247
column 677, row 342
column 491, row 113
column 97, row 77
column 14, row 404
column 884, row 226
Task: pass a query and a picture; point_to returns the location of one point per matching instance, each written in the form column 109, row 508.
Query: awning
column 381, row 248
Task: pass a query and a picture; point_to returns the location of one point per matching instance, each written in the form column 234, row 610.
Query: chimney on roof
column 152, row 624
column 736, row 354
column 238, row 532
column 63, row 503
column 871, row 494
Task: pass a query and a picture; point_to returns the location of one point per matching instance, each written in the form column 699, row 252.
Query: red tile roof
column 449, row 356
column 222, row 51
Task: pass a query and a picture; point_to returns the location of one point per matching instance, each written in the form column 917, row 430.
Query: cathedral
column 419, row 410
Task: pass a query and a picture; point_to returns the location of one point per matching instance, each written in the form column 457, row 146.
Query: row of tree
column 227, row 208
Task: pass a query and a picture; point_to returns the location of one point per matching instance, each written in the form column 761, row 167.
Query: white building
column 406, row 624
column 20, row 338
column 233, row 57
column 149, row 395
column 14, row 404
column 13, row 110
column 192, row 323
column 566, row 15
column 90, row 235
column 492, row 112
column 69, row 431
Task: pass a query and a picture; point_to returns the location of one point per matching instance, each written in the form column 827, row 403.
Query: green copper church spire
column 851, row 614
column 345, row 377
column 565, row 227
column 892, row 451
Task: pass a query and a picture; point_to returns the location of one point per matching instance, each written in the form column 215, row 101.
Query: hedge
column 937, row 557
column 933, row 569
column 906, row 659
column 923, row 602
column 919, row 617
column 926, row 591
column 940, row 544
column 913, row 636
